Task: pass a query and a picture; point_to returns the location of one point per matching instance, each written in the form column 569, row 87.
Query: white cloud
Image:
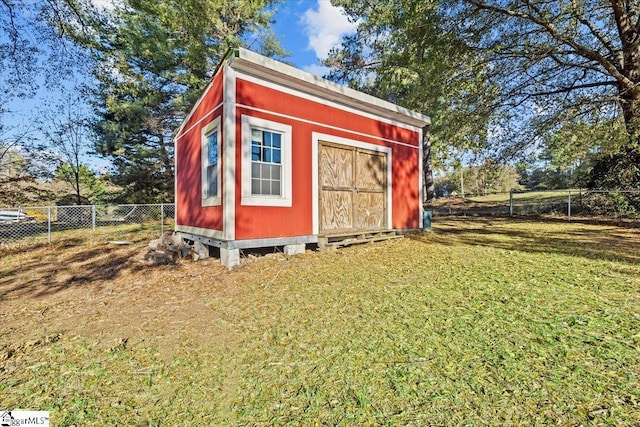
column 325, row 27
column 316, row 69
column 105, row 4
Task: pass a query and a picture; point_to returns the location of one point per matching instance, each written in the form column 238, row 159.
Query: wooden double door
column 353, row 188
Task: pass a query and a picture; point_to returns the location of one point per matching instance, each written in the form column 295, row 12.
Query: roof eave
column 288, row 76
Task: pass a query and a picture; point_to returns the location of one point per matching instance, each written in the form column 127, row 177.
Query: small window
column 211, row 164
column 266, row 163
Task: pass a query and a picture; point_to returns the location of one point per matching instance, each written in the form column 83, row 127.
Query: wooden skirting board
column 332, row 241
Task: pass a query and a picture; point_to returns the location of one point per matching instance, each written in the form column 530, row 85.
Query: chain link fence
column 573, row 203
column 43, row 222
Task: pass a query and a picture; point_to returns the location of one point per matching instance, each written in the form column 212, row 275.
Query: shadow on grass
column 46, row 269
column 584, row 238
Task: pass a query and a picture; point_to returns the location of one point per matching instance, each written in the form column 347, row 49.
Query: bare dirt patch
column 107, row 293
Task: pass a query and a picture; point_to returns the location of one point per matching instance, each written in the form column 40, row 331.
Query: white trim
column 207, row 237
column 229, row 153
column 324, row 125
column 175, row 182
column 324, row 101
column 198, row 122
column 316, row 137
column 204, row 232
column 287, row 75
column 420, row 181
column 315, row 190
column 212, row 127
column 248, row 199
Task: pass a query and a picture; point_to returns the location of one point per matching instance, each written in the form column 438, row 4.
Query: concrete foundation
column 229, row 257
column 294, row 249
column 200, row 251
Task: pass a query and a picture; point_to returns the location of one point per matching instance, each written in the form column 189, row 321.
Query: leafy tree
column 67, row 141
column 84, row 182
column 33, row 46
column 406, row 52
column 560, row 66
column 16, row 165
column 488, row 177
column 154, row 59
column 510, row 76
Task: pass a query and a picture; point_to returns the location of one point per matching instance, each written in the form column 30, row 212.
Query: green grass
column 478, row 323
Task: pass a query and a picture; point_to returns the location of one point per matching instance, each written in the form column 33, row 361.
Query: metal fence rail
column 621, row 204
column 42, row 222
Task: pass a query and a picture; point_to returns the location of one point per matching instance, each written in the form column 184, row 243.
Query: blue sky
column 307, row 29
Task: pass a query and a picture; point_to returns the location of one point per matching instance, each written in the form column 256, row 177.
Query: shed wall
column 189, row 209
column 307, row 116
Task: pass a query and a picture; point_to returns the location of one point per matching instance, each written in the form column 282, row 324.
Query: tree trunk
column 77, row 185
column 427, row 169
column 630, row 105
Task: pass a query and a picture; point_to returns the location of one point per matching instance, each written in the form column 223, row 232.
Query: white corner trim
column 420, row 180
column 175, row 183
column 316, row 137
column 229, row 153
column 248, row 199
column 315, row 190
column 214, row 126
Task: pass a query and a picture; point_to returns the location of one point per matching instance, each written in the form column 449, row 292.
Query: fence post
column 162, row 219
column 93, row 217
column 569, row 206
column 49, row 223
column 511, row 202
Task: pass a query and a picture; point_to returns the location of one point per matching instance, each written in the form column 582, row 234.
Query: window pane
column 255, row 153
column 264, row 172
column 256, row 135
column 275, row 188
column 266, row 161
column 276, row 140
column 212, row 181
column 212, row 140
column 266, row 188
column 255, row 186
column 213, row 187
column 275, row 172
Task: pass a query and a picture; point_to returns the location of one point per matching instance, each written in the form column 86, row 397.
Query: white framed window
column 211, row 139
column 266, row 162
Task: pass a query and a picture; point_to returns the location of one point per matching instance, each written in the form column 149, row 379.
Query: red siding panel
column 263, row 222
column 265, row 98
column 189, row 209
column 254, row 222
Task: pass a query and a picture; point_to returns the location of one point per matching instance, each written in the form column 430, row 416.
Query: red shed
column 274, row 156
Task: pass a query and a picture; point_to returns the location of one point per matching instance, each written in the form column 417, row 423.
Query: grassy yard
column 477, row 323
